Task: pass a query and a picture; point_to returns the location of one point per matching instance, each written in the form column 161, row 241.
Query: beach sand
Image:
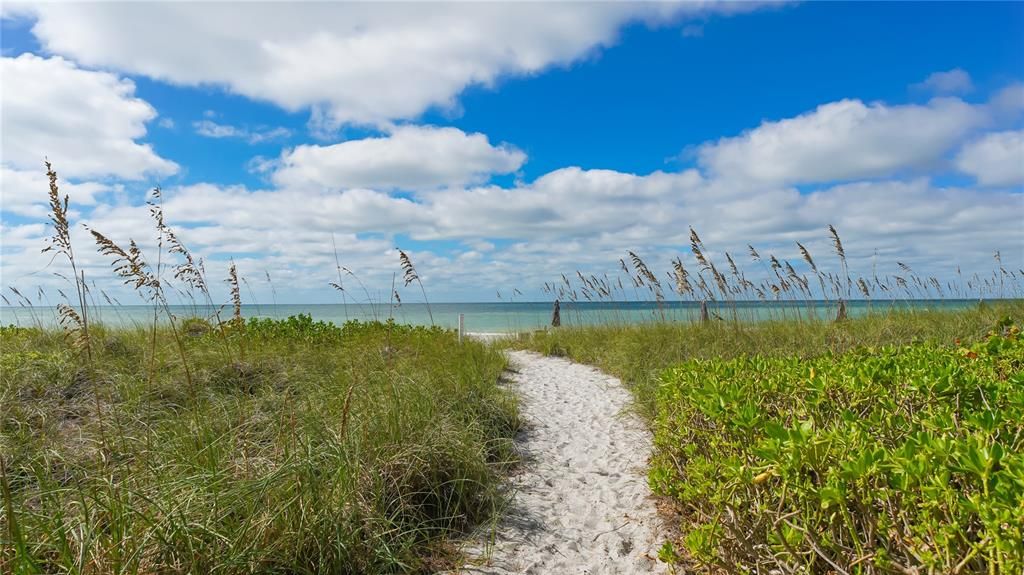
column 581, row 503
column 490, row 336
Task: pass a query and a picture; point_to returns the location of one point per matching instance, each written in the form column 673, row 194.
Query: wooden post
column 841, row 314
column 462, row 320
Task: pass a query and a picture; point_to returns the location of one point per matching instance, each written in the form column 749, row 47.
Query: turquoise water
column 492, row 317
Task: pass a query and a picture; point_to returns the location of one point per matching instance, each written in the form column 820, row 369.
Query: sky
column 503, row 144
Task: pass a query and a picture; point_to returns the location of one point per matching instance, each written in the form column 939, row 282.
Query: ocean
column 508, row 317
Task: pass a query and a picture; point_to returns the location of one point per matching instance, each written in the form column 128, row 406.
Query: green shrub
column 196, row 326
column 638, row 353
column 897, row 459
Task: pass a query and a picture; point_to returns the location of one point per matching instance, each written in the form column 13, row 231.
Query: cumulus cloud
column 24, row 192
column 743, row 191
column 566, row 220
column 360, row 63
column 356, row 210
column 995, row 159
column 1008, row 103
column 87, row 122
column 409, row 157
column 622, row 211
column 844, row 140
column 934, row 225
column 955, row 81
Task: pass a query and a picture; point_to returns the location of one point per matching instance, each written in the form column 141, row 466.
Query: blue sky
column 501, row 144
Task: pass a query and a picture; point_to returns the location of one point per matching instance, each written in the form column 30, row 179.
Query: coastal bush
column 296, row 447
column 880, row 460
column 638, row 353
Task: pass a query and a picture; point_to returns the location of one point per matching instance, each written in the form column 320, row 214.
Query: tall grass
column 202, row 445
column 781, row 290
column 75, row 322
column 410, row 275
column 348, row 450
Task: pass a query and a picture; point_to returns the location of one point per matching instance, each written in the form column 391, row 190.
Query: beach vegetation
column 899, row 459
column 213, row 444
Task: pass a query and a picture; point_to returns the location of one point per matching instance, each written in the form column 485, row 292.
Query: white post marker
column 462, row 319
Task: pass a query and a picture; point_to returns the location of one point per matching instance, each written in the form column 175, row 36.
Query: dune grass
column 297, row 447
column 226, row 445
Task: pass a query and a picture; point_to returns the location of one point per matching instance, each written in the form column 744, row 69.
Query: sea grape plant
column 896, row 459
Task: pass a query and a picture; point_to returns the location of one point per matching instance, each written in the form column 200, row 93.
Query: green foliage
column 302, row 328
column 196, row 326
column 637, row 353
column 342, row 449
column 892, row 459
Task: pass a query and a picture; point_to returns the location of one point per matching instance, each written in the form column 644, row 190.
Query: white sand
column 581, row 502
column 490, row 336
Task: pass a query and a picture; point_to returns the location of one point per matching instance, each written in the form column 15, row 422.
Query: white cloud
column 569, row 202
column 363, row 63
column 1008, row 103
column 352, row 211
column 210, row 129
column 995, row 159
column 844, row 140
column 268, row 135
column 955, row 81
column 566, row 220
column 573, row 218
column 25, row 193
column 608, row 212
column 87, row 123
column 261, row 165
column 917, row 219
column 410, row 157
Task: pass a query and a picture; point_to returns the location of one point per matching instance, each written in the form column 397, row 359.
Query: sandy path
column 581, row 503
